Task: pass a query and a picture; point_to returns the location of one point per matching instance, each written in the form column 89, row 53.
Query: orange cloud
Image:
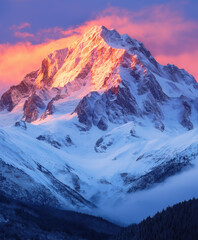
column 169, row 37
column 18, row 60
column 164, row 32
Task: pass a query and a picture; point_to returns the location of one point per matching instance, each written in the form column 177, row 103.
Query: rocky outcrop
column 50, row 109
column 57, row 143
column 115, row 105
column 68, row 141
column 21, row 124
column 14, row 95
column 101, row 145
column 49, row 67
column 150, row 85
column 32, row 107
column 175, row 74
column 185, row 119
column 49, row 139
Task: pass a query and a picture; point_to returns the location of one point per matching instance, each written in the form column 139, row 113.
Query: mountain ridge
column 98, row 122
column 65, row 73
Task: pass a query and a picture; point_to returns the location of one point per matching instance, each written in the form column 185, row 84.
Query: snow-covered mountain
column 100, row 119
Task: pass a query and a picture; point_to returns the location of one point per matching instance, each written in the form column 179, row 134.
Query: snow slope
column 99, row 124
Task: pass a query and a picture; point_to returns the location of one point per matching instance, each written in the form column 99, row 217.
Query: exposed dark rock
column 21, row 124
column 132, row 133
column 76, row 182
column 46, row 76
column 159, row 124
column 50, row 109
column 85, row 109
column 135, row 74
column 104, row 181
column 98, row 143
column 14, row 95
column 140, row 157
column 186, row 114
column 124, row 175
column 102, row 124
column 101, row 146
column 68, row 141
column 152, row 108
column 150, row 84
column 176, row 74
column 126, row 101
column 31, row 108
column 82, row 129
column 117, row 104
column 49, row 139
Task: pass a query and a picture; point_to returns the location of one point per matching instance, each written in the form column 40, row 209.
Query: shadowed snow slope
column 99, row 123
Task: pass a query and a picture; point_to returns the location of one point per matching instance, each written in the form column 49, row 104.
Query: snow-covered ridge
column 100, row 120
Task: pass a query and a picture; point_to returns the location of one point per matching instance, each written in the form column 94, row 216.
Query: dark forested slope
column 179, row 222
column 19, row 221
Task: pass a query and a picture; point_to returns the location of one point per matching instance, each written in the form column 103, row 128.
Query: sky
column 31, row 29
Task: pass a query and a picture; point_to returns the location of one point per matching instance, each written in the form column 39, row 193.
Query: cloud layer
column 165, row 32
column 138, row 206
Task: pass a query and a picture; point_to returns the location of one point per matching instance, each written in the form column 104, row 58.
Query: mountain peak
column 100, row 29
column 119, row 69
column 96, row 29
column 83, row 62
column 95, row 58
column 111, row 37
column 101, row 32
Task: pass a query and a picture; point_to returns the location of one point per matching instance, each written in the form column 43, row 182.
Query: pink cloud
column 166, row 33
column 19, row 59
column 43, row 35
column 20, row 26
column 18, row 33
column 23, row 35
column 188, row 61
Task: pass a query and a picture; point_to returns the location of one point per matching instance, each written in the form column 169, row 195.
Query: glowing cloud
column 22, row 58
column 169, row 37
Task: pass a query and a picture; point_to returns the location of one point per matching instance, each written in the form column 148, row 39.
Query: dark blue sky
column 43, row 14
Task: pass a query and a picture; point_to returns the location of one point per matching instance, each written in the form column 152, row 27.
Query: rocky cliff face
column 14, row 95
